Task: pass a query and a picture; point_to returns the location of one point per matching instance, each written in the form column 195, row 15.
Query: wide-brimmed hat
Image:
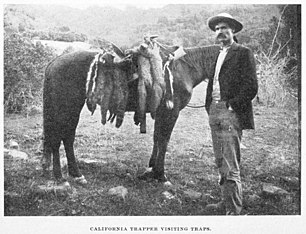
column 224, row 17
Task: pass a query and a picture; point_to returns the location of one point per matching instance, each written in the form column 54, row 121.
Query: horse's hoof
column 143, row 130
column 150, row 175
column 168, row 183
column 147, row 175
column 62, row 182
column 66, row 184
column 163, row 179
column 47, row 173
column 80, row 180
column 47, row 169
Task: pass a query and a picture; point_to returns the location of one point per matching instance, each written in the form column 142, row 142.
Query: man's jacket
column 238, row 84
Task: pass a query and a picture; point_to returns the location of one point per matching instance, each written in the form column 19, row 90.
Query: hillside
column 175, row 23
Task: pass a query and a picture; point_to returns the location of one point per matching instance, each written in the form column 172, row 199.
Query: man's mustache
column 221, row 35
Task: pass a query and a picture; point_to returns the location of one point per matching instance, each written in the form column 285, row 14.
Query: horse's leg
column 142, row 104
column 46, row 159
column 143, row 124
column 68, row 140
column 164, row 124
column 136, row 117
column 167, row 121
column 56, row 160
column 155, row 146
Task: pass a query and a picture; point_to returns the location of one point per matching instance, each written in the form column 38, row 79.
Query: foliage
column 55, row 35
column 279, row 74
column 177, row 23
column 273, row 32
column 190, row 27
column 24, row 64
column 275, row 81
column 289, row 35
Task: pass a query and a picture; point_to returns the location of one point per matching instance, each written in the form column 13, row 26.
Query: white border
column 220, row 224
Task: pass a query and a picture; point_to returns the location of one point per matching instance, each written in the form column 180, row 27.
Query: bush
column 24, row 64
column 275, row 81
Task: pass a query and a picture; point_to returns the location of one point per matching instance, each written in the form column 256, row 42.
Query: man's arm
column 249, row 86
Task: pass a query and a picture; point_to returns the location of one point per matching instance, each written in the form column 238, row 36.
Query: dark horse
column 66, row 88
column 188, row 71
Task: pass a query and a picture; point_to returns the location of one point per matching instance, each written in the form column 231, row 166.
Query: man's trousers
column 226, row 136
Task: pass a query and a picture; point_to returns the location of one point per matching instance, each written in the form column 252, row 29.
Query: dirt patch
column 116, row 156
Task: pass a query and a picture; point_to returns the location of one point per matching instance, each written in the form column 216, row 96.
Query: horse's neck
column 202, row 60
column 202, row 74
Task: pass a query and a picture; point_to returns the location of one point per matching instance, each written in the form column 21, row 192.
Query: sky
column 83, row 4
column 121, row 4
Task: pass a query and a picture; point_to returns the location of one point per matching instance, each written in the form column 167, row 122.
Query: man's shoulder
column 243, row 47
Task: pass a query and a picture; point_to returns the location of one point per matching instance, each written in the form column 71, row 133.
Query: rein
column 191, row 105
column 172, row 53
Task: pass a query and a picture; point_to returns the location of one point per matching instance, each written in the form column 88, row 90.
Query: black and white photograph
column 152, row 117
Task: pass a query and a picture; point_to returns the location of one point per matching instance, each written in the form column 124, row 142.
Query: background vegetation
column 272, row 31
column 24, row 64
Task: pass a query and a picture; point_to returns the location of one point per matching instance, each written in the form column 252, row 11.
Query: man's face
column 224, row 33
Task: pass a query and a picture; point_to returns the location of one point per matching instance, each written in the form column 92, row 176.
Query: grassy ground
column 271, row 154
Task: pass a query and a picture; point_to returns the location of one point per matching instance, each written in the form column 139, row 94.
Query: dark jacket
column 238, row 83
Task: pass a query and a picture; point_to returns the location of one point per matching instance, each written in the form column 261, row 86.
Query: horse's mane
column 201, row 57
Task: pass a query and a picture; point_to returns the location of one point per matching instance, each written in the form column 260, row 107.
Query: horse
column 105, row 78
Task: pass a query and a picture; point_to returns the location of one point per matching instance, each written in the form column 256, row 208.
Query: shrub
column 24, row 64
column 275, row 81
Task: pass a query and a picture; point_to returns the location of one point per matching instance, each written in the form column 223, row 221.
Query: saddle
column 172, row 52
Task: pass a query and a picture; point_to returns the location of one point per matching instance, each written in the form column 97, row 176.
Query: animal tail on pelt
column 169, row 85
column 90, row 83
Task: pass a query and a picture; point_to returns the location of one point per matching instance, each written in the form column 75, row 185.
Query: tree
column 163, row 20
column 288, row 40
column 290, row 33
column 24, row 64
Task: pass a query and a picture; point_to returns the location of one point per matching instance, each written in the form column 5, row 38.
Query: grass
column 121, row 154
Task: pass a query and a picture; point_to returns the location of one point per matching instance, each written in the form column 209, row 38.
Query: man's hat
column 227, row 18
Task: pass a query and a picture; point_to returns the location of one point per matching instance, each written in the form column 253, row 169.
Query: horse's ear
column 118, row 51
column 107, row 58
column 143, row 46
column 152, row 37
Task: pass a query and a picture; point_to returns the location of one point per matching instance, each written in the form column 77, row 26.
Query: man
column 229, row 105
